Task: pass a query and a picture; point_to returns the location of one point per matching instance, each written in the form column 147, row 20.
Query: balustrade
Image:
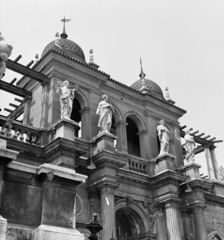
column 137, row 165
column 18, row 131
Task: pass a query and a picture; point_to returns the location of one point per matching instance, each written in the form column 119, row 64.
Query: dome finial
column 142, row 74
column 144, row 89
column 64, row 35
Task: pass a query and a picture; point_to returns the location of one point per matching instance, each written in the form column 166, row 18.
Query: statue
column 164, row 137
column 66, row 98
column 5, row 52
column 189, row 146
column 105, row 110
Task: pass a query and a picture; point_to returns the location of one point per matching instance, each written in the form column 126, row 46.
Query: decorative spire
column 167, row 94
column 168, row 99
column 142, row 74
column 91, row 60
column 144, row 89
column 64, row 35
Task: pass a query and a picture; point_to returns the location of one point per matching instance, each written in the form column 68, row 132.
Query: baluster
column 28, row 138
column 21, row 136
column 16, row 134
column 38, row 140
column 130, row 165
column 3, row 130
column 33, row 139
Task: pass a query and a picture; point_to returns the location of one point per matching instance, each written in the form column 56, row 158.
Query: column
column 214, row 161
column 210, row 167
column 27, row 106
column 187, row 225
column 143, row 143
column 199, row 221
column 172, row 221
column 85, row 133
column 107, row 211
column 122, row 136
column 44, row 104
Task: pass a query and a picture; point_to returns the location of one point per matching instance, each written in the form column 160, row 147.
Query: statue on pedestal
column 164, row 137
column 66, row 98
column 105, row 110
column 189, row 146
column 5, row 52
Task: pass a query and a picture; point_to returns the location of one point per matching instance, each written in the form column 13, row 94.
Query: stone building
column 56, row 174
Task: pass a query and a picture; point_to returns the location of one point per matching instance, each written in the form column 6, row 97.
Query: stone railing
column 137, row 165
column 19, row 131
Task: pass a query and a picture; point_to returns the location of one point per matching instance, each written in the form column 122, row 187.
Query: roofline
column 101, row 72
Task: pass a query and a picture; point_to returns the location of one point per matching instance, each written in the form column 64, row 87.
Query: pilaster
column 44, row 104
column 122, row 136
column 143, row 143
column 85, row 119
column 27, row 107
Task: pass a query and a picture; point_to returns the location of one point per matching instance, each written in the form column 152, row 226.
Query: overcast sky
column 181, row 43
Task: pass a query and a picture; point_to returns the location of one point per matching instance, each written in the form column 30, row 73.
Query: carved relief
column 124, row 139
column 79, row 205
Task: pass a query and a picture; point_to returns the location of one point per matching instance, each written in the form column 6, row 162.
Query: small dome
column 152, row 86
column 67, row 46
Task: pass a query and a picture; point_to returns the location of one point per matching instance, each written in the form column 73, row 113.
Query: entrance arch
column 130, row 220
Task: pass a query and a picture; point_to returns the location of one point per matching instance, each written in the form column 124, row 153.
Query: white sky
column 181, row 43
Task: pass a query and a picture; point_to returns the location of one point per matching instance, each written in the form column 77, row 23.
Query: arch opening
column 133, row 138
column 76, row 116
column 128, row 224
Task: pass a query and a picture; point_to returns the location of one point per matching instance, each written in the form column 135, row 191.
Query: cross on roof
column 64, row 35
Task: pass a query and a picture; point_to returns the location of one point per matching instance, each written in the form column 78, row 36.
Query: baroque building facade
column 56, row 174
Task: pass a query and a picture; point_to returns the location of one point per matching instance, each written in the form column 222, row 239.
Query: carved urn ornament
column 5, row 52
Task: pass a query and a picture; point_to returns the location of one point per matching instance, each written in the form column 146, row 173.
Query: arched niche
column 80, row 111
column 130, row 220
column 135, row 131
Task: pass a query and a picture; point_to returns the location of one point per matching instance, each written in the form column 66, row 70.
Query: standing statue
column 164, row 137
column 189, row 146
column 105, row 110
column 5, row 52
column 66, row 98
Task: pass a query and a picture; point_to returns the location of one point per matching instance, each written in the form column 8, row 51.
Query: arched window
column 76, row 116
column 133, row 138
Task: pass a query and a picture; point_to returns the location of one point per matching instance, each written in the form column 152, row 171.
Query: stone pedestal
column 46, row 232
column 172, row 221
column 58, row 203
column 3, row 228
column 104, row 141
column 200, row 227
column 6, row 156
column 192, row 170
column 165, row 162
column 66, row 128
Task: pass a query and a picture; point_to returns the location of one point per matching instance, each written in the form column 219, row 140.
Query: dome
column 66, row 46
column 153, row 88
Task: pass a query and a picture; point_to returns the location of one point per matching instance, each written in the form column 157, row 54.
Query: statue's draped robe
column 189, row 147
column 164, row 138
column 66, row 102
column 105, row 110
